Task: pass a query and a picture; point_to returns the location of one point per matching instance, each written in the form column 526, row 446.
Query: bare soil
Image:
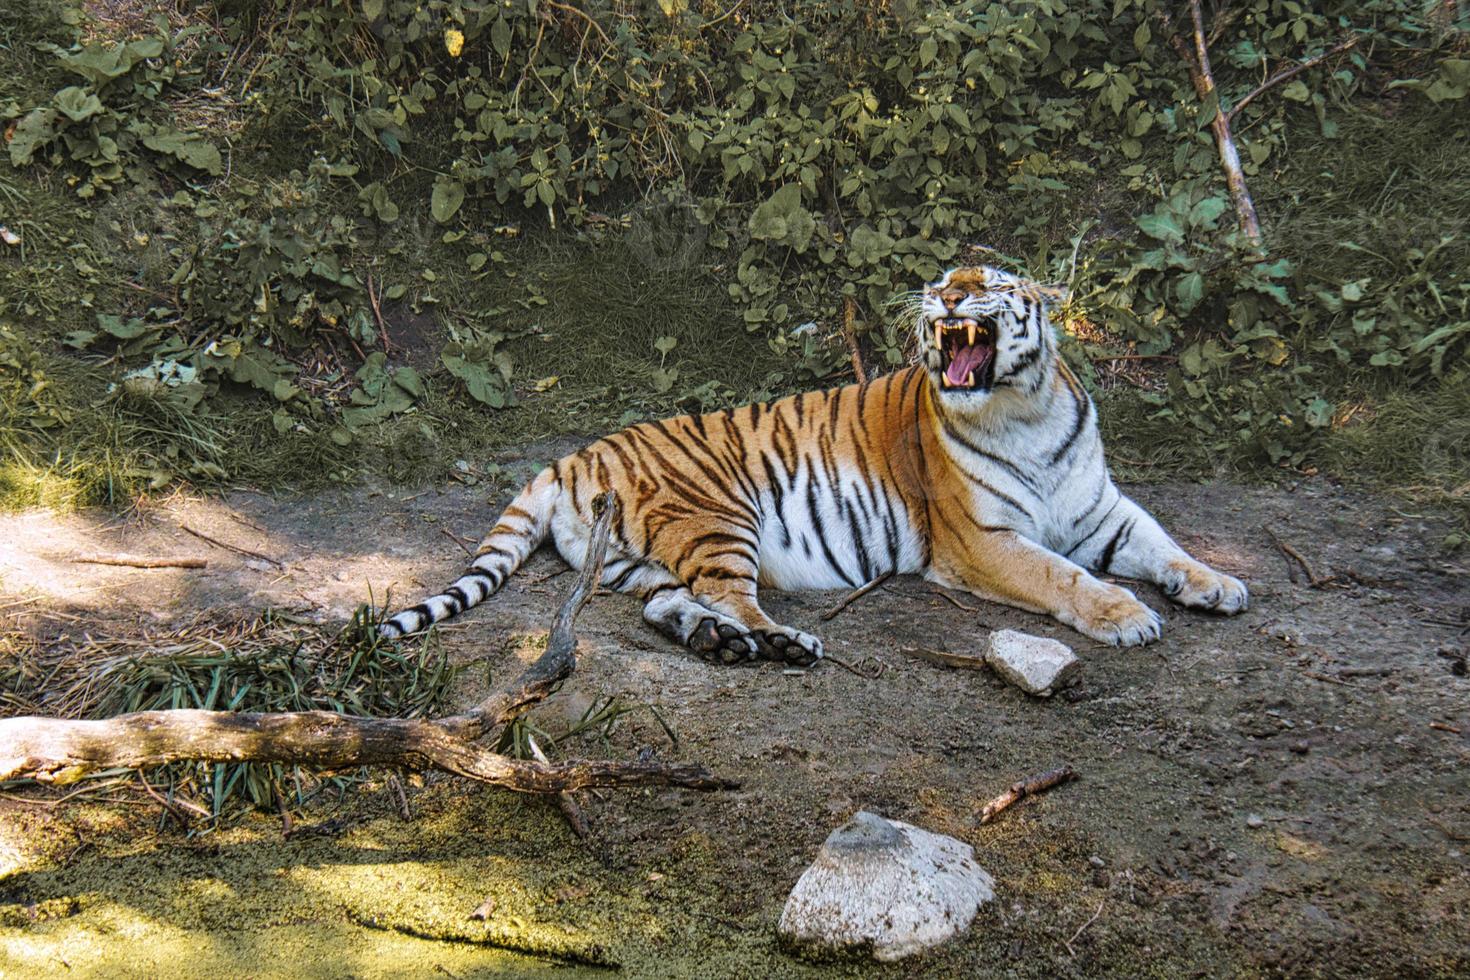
column 1283, row 792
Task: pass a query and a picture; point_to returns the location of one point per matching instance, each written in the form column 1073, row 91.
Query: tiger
column 979, row 466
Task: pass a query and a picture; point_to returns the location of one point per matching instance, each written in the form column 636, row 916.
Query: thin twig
column 952, row 600
column 855, row 595
column 723, row 17
column 1082, row 928
column 457, row 540
column 1026, row 787
column 1440, row 726
column 1290, row 554
column 131, row 561
column 849, row 336
column 870, row 675
column 565, row 802
column 1286, row 74
column 396, row 785
column 230, row 547
column 1325, row 678
column 944, row 657
column 582, row 14
column 378, row 315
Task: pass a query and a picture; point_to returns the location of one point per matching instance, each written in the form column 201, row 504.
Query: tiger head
column 983, row 331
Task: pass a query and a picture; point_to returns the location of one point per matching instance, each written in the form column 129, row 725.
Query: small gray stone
column 1035, row 664
column 884, row 887
column 1254, row 820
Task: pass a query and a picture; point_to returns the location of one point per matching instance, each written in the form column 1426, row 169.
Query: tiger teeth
column 970, row 326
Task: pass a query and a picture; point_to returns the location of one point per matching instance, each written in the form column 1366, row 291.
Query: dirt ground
column 1285, row 792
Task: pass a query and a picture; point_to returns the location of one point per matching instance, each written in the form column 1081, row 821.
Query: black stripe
column 811, row 504
column 617, row 584
column 859, row 542
column 1084, row 412
column 1096, row 527
column 779, row 498
column 1015, row 471
column 723, row 536
column 1102, row 488
column 722, row 574
column 1023, row 362
column 1006, row 498
column 1105, row 563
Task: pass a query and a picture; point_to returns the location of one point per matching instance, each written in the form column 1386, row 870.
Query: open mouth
column 966, row 353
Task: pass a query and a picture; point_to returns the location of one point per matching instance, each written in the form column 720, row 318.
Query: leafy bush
column 849, row 153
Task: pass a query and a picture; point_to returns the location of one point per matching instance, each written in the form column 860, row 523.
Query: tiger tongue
column 965, row 360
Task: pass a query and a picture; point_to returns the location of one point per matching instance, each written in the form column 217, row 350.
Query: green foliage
column 270, row 664
column 97, row 124
column 852, row 152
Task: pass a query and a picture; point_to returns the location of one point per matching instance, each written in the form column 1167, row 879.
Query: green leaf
column 188, row 148
column 500, row 36
column 408, row 379
column 1206, row 212
column 475, row 366
column 868, row 246
column 782, row 219
column 373, row 9
column 1161, row 225
column 1319, row 413
column 1296, row 91
column 131, row 329
column 34, row 131
column 1190, row 289
column 77, row 103
column 447, row 197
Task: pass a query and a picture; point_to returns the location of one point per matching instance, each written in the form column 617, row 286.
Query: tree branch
column 55, row 750
column 1198, row 62
column 1286, row 74
column 560, row 658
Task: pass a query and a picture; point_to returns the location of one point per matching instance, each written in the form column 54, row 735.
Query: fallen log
column 58, row 751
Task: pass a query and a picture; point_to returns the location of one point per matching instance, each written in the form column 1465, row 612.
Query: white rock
column 884, row 887
column 1035, row 664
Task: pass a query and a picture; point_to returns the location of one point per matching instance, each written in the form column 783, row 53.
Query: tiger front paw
column 789, row 645
column 1116, row 617
column 1198, row 586
column 725, row 642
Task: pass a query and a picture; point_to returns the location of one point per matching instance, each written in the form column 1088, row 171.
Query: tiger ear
column 1055, row 295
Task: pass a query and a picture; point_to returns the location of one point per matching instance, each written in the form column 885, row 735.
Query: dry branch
column 1198, row 62
column 54, row 750
column 1286, row 74
column 855, row 595
column 849, row 336
column 132, row 561
column 963, row 660
column 566, row 802
column 230, row 547
column 1026, row 787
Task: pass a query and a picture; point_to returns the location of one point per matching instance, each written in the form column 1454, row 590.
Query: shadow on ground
column 1283, row 792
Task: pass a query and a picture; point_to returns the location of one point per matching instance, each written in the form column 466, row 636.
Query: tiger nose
column 951, row 298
